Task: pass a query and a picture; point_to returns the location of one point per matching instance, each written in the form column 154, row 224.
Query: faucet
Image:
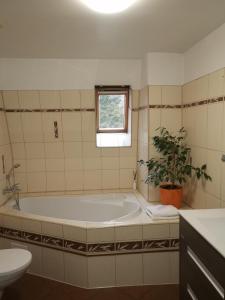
column 10, row 188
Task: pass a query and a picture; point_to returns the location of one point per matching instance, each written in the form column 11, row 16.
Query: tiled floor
column 35, row 288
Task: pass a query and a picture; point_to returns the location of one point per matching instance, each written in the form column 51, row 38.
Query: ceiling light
column 108, row 6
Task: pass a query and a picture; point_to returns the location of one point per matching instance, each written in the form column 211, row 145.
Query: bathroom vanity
column 202, row 254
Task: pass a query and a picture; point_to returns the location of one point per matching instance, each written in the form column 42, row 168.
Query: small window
column 112, row 108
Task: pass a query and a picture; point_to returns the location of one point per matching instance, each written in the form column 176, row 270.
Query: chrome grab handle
column 206, row 272
column 191, row 293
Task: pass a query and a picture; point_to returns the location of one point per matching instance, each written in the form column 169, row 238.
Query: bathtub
column 87, row 208
column 84, row 239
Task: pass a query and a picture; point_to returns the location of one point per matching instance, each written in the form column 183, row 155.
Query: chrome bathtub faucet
column 12, row 189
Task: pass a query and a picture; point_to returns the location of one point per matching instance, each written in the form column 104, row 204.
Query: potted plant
column 173, row 167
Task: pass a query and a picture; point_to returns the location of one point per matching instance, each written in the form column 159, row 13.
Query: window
column 112, row 109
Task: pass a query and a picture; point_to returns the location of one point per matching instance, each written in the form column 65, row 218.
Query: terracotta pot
column 172, row 196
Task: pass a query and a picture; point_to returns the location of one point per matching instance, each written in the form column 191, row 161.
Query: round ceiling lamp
column 108, row 6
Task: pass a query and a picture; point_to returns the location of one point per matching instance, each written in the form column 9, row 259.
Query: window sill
column 113, row 139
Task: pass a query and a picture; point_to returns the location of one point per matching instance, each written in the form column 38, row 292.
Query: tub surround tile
column 99, row 235
column 53, row 264
column 31, row 225
column 128, row 233
column 106, row 275
column 156, row 268
column 74, row 233
column 51, row 229
column 129, row 270
column 76, row 270
column 151, row 231
column 90, row 249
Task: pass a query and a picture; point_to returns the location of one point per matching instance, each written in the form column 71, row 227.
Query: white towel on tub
column 162, row 212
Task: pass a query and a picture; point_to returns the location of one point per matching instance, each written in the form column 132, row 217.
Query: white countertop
column 210, row 223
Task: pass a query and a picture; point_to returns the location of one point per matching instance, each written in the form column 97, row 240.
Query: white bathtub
column 88, row 208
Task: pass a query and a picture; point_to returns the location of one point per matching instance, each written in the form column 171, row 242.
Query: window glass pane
column 111, row 111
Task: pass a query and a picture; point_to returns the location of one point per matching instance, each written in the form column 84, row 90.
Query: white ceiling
column 68, row 29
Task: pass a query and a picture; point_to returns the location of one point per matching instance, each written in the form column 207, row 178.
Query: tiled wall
column 160, row 105
column 204, row 118
column 5, row 151
column 70, row 162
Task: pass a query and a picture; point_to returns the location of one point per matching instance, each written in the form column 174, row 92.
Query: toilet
column 13, row 264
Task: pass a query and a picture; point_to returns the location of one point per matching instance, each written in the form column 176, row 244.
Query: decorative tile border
column 17, row 110
column 93, row 249
column 196, row 103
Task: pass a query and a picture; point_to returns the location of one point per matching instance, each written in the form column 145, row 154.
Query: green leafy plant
column 173, row 166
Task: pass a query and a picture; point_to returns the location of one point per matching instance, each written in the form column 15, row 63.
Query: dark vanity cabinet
column 202, row 268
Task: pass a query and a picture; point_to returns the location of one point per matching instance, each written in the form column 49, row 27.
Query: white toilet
column 13, row 264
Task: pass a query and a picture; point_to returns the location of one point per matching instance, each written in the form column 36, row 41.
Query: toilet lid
column 14, row 260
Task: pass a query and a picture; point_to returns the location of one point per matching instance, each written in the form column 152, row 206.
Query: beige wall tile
column 216, row 84
column 215, row 125
column 110, row 179
column 36, row 182
column 15, row 127
column 55, row 164
column 92, row 163
column 29, row 99
column 171, row 95
column 214, row 169
column 155, row 94
column 74, row 180
column 71, row 126
column 128, row 162
column 154, row 121
column 70, row 99
column 11, row 99
column 200, row 129
column 35, row 165
column 19, row 151
column 90, row 150
column 88, row 126
column 110, row 163
column 73, row 149
column 126, row 178
column 135, row 98
column 171, row 119
column 32, row 127
column 110, row 152
column 50, row 99
column 87, row 99
column 54, row 150
column 35, row 150
column 72, row 164
column 92, row 180
column 55, row 181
